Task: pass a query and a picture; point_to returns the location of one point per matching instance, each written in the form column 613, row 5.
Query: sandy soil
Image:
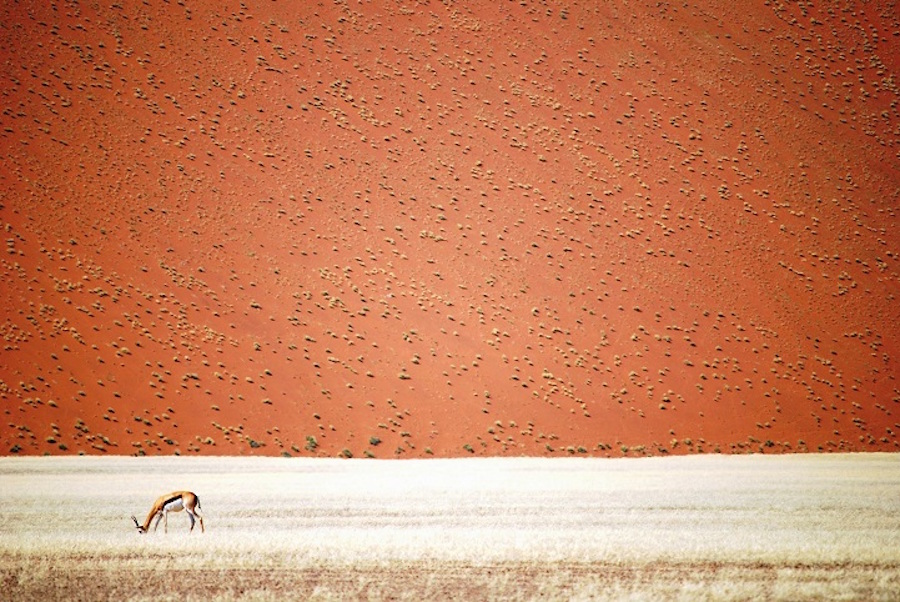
column 428, row 229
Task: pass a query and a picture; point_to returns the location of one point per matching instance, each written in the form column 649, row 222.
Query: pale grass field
column 799, row 527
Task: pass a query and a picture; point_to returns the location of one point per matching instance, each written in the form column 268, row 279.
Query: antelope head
column 140, row 528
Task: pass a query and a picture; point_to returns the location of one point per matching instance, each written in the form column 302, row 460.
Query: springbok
column 172, row 502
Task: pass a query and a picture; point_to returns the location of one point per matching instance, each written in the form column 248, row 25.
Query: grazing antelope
column 173, row 502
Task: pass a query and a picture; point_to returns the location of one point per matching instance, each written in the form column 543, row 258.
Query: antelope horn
column 137, row 524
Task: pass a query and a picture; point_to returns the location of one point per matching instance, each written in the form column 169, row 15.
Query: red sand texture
column 415, row 229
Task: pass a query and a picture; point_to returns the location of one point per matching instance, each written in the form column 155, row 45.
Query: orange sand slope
column 423, row 228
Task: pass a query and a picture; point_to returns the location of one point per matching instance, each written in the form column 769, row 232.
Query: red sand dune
column 420, row 228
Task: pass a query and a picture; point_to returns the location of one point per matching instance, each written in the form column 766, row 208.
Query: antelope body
column 172, row 502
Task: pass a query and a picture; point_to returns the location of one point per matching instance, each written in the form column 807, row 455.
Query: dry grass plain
column 799, row 527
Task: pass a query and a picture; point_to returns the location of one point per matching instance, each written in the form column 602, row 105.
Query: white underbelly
column 174, row 506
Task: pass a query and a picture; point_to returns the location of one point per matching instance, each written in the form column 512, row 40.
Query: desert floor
column 792, row 527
